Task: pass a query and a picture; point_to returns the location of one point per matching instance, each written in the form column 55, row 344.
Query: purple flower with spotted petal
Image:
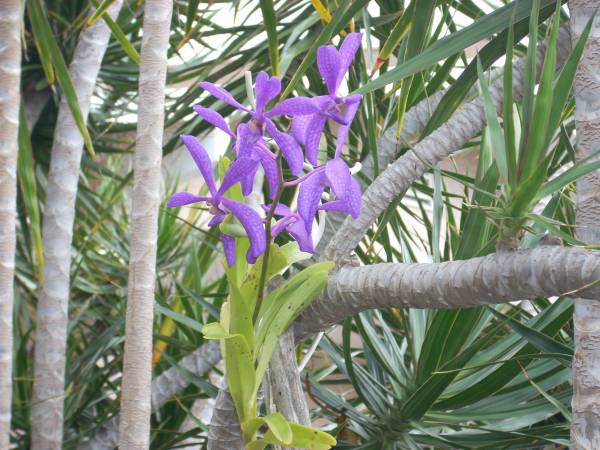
column 333, row 65
column 336, row 175
column 294, row 224
column 266, row 89
column 220, row 206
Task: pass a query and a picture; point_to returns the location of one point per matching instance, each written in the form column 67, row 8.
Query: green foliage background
column 495, row 377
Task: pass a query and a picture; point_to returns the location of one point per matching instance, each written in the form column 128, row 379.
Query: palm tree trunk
column 137, row 364
column 585, row 426
column 57, row 232
column 10, row 88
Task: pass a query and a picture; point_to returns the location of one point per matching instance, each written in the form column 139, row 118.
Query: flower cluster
column 253, row 149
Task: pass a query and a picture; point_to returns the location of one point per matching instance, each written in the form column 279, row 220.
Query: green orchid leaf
column 280, row 427
column 277, row 263
column 259, row 444
column 240, row 376
column 293, row 254
column 304, row 437
column 240, row 310
column 214, row 330
column 286, row 308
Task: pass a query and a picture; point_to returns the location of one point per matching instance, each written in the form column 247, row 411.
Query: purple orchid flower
column 294, row 224
column 336, row 175
column 259, row 153
column 266, row 89
column 333, row 65
column 221, row 206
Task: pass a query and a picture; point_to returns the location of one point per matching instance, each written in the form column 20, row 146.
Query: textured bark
column 34, row 103
column 285, row 383
column 137, row 364
column 498, row 278
column 10, row 73
column 57, row 232
column 286, row 386
column 167, row 385
column 585, row 426
column 466, row 123
column 224, row 432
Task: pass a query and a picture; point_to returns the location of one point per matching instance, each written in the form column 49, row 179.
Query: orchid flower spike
column 333, row 65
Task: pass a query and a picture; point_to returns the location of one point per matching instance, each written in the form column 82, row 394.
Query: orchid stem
column 269, row 218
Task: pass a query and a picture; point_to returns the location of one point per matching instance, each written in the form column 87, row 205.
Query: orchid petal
column 351, row 99
column 338, row 176
column 217, row 219
column 202, row 160
column 253, row 225
column 247, row 181
column 313, row 138
column 222, row 94
column 309, row 196
column 280, row 209
column 246, row 140
column 349, row 204
column 214, row 118
column 229, row 248
column 282, row 225
column 328, row 61
column 237, row 172
column 266, row 90
column 343, row 130
column 297, row 106
column 347, row 52
column 302, row 236
column 299, row 126
column 185, row 198
column 271, row 172
column 353, row 198
column 289, row 147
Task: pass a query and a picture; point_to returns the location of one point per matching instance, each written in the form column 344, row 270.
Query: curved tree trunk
column 57, row 232
column 467, row 122
column 10, row 87
column 545, row 271
column 585, row 427
column 137, row 364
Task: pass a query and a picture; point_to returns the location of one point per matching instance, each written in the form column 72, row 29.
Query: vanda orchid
column 250, row 325
column 309, row 117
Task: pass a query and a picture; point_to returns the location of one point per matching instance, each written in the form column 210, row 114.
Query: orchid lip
column 215, row 209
